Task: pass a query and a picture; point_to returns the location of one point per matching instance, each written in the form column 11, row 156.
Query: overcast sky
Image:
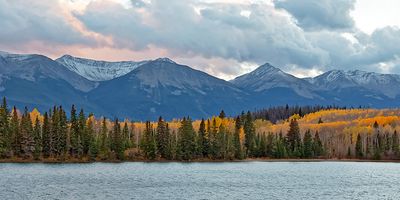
column 225, row 38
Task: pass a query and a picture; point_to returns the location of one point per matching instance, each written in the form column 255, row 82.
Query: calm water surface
column 244, row 180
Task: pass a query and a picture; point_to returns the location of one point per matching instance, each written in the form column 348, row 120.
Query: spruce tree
column 116, row 141
column 26, row 134
column 202, row 139
column 294, row 139
column 395, row 143
column 16, row 137
column 236, row 140
column 162, row 138
column 37, row 137
column 249, row 135
column 93, row 148
column 103, row 141
column 187, row 143
column 359, row 147
column 75, row 137
column 85, row 138
column 46, row 137
column 308, row 145
column 317, row 145
column 5, row 134
column 148, row 143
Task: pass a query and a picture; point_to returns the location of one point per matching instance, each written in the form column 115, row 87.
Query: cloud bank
column 223, row 38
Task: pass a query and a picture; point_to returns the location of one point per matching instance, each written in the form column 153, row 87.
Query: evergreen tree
column 308, row 145
column 162, row 138
column 46, row 137
column 126, row 142
column 249, row 135
column 317, row 145
column 26, row 134
column 202, row 139
column 148, row 143
column 83, row 134
column 93, row 144
column 103, row 141
column 222, row 114
column 116, row 141
column 236, row 140
column 294, row 139
column 187, row 143
column 75, row 137
column 359, row 147
column 37, row 137
column 5, row 134
column 395, row 143
column 16, row 137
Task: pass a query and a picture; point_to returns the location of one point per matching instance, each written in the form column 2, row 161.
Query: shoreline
column 294, row 160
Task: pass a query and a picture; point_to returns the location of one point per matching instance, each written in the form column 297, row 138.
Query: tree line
column 54, row 136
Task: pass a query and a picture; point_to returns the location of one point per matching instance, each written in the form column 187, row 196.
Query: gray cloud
column 26, row 21
column 196, row 32
column 319, row 14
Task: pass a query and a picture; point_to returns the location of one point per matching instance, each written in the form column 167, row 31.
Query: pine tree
column 85, row 138
column 395, row 143
column 162, row 138
column 126, row 142
column 236, row 140
column 5, row 134
column 222, row 114
column 187, row 143
column 148, row 143
column 37, row 137
column 249, row 135
column 116, row 141
column 26, row 134
column 46, row 137
column 75, row 137
column 294, row 139
column 359, row 147
column 93, row 148
column 16, row 137
column 317, row 145
column 103, row 141
column 202, row 139
column 308, row 145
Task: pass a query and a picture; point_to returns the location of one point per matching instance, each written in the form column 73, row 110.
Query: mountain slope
column 267, row 77
column 38, row 81
column 98, row 70
column 162, row 87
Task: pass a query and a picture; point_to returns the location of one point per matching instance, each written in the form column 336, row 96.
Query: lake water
column 241, row 180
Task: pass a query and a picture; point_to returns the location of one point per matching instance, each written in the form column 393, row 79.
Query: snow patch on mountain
column 98, row 70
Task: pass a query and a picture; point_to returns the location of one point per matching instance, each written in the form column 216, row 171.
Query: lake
column 237, row 180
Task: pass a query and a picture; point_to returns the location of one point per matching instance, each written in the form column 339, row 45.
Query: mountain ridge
column 143, row 89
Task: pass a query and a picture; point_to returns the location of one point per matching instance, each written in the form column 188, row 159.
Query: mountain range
column 146, row 89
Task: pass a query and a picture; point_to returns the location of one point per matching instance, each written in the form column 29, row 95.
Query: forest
column 312, row 132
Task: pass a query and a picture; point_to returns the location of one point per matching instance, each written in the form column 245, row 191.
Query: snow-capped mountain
column 386, row 84
column 162, row 87
column 145, row 90
column 38, row 81
column 267, row 77
column 98, row 70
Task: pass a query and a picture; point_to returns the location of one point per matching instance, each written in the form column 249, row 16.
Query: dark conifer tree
column 359, row 147
column 202, row 139
column 395, row 143
column 308, row 145
column 148, row 143
column 46, row 137
column 75, row 137
column 37, row 137
column 187, row 143
column 162, row 138
column 116, row 141
column 249, row 135
column 294, row 139
column 16, row 137
column 5, row 134
column 317, row 145
column 103, row 140
column 236, row 140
